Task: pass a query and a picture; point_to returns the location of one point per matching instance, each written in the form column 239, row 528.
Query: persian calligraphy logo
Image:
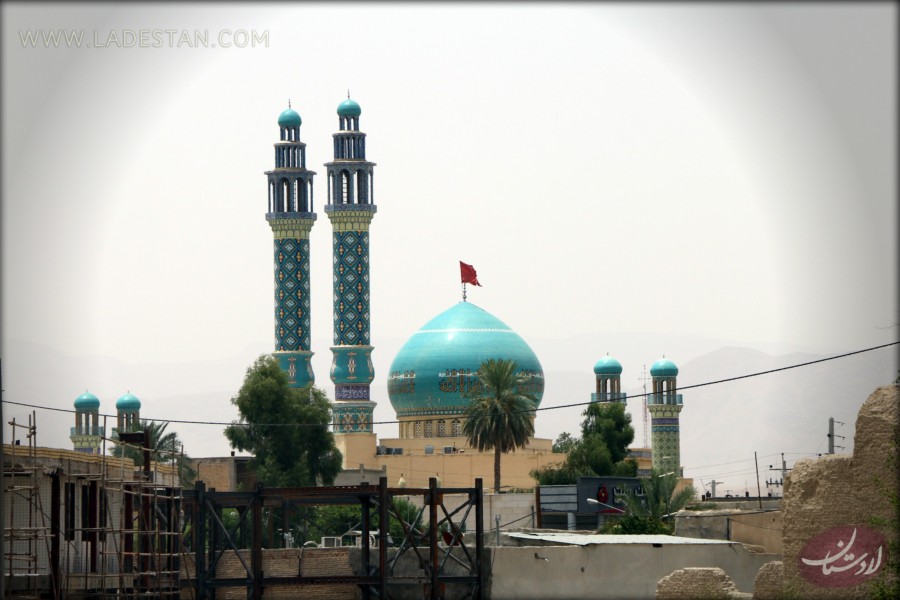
column 842, row 556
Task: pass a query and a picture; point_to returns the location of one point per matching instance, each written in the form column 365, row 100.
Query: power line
column 534, row 410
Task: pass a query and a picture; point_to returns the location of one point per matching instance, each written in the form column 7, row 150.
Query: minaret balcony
column 90, row 430
column 671, row 399
column 609, row 397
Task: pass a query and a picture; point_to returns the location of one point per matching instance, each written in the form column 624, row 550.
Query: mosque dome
column 289, row 118
column 437, row 365
column 87, row 400
column 128, row 402
column 663, row 368
column 608, row 366
column 349, row 108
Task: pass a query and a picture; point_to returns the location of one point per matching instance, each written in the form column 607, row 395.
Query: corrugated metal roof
column 586, row 539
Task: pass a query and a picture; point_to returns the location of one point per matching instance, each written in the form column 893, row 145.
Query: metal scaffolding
column 71, row 521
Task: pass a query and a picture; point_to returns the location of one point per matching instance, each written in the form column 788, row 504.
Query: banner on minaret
column 467, row 274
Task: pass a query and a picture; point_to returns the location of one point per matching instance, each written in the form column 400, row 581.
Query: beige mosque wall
column 458, row 469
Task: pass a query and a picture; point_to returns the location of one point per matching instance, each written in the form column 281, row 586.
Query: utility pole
column 644, row 379
column 783, row 470
column 831, row 435
column 758, row 490
column 713, row 484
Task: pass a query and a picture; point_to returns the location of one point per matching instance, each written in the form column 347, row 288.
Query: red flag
column 467, row 274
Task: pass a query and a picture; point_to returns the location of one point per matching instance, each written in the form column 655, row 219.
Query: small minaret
column 87, row 434
column 664, row 405
column 128, row 413
column 291, row 218
column 608, row 372
column 350, row 209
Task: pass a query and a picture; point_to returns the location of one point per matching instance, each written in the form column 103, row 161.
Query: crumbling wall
column 769, row 584
column 837, row 515
column 697, row 584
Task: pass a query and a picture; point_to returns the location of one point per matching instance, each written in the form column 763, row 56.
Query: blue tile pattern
column 292, row 294
column 350, row 279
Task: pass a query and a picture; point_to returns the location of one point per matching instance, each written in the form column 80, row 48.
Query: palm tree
column 660, row 498
column 500, row 417
column 164, row 447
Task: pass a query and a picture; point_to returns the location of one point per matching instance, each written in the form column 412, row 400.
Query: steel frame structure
column 433, row 545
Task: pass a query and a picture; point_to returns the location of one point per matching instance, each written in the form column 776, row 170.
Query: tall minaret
column 291, row 218
column 664, row 406
column 351, row 208
column 87, row 434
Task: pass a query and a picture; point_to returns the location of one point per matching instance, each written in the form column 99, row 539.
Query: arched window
column 362, row 187
column 418, row 429
column 346, row 188
column 284, row 195
column 429, row 429
column 456, row 428
column 442, row 428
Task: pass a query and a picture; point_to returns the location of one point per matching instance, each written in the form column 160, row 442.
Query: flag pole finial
column 464, row 291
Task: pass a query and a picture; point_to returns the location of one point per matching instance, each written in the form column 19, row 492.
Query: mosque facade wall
column 461, row 470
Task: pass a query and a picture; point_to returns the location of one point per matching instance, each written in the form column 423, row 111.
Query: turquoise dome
column 289, row 118
column 128, row 402
column 349, row 108
column 87, row 400
column 608, row 366
column 438, row 363
column 663, row 368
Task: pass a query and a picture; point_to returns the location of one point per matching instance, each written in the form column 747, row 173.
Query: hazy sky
column 707, row 169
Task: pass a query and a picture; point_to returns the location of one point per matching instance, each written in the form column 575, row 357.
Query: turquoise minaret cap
column 128, row 402
column 289, row 118
column 608, row 366
column 663, row 368
column 432, row 370
column 349, row 108
column 87, row 400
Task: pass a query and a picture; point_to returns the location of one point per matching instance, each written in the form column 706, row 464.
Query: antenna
column 644, row 379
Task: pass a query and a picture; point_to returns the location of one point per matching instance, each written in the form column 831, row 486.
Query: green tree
column 165, row 447
column 564, row 443
column 606, row 432
column 658, row 501
column 286, row 429
column 609, row 421
column 500, row 417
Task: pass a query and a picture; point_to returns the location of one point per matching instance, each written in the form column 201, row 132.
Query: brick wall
column 310, row 562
